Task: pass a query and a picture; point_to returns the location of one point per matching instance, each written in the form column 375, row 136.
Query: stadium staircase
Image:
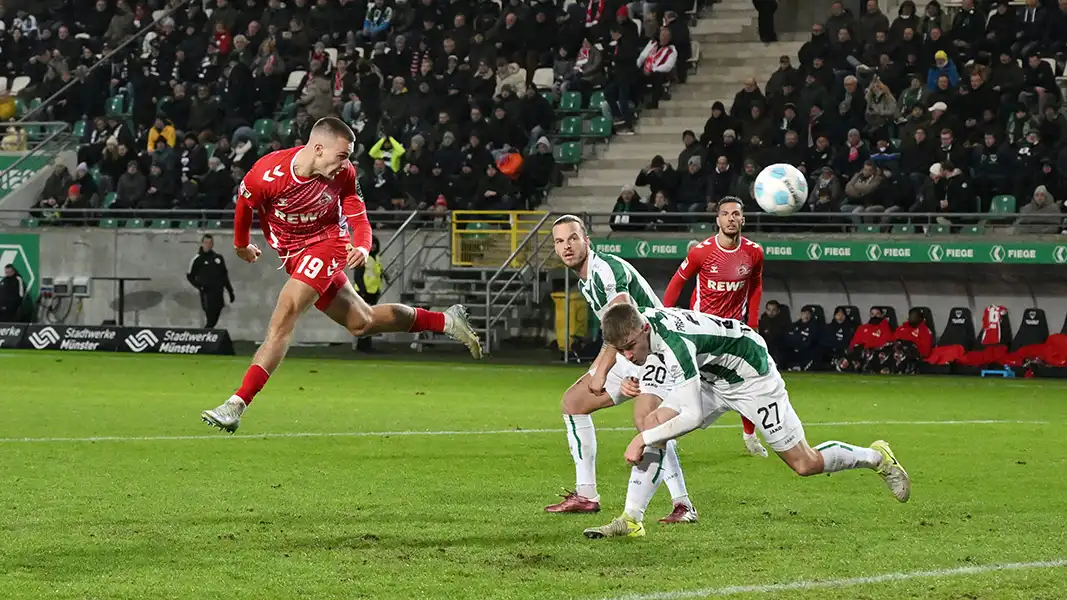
column 729, row 51
column 498, row 270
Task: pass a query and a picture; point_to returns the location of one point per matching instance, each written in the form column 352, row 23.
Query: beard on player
column 571, row 242
column 731, row 217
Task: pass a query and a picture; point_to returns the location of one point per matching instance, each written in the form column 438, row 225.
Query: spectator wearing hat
column 906, row 19
column 959, row 195
column 1042, row 214
column 691, row 147
column 76, row 201
column 693, row 191
column 627, row 213
column 821, row 154
column 496, row 191
column 730, row 147
column 718, row 122
column 538, row 172
column 826, row 192
column 658, row 175
column 193, row 159
column 932, row 17
column 942, row 66
column 786, row 121
column 784, row 73
column 131, row 187
column 162, row 129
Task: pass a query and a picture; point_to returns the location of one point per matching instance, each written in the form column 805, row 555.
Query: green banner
column 23, row 252
column 12, row 180
column 1013, row 253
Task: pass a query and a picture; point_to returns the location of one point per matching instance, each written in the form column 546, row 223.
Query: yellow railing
column 486, row 238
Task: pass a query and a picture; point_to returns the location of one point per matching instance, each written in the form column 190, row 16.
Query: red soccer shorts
column 322, row 266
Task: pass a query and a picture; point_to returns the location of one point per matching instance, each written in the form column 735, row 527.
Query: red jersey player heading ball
column 309, row 208
column 729, row 272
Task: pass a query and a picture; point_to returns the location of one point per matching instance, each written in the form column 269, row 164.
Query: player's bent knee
column 578, row 400
column 807, row 465
column 360, row 320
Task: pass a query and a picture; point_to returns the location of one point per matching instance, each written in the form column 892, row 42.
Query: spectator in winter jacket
column 626, row 215
column 915, row 331
column 942, row 66
column 837, row 336
column 658, row 175
column 161, row 130
column 826, row 192
column 773, row 324
column 800, row 347
column 656, row 62
column 1042, row 214
column 12, row 291
column 131, row 187
column 864, row 191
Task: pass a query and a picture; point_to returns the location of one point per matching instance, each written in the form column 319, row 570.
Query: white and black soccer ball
column 781, row 189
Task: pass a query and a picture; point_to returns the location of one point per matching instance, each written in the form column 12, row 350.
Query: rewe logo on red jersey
column 297, row 219
column 725, row 286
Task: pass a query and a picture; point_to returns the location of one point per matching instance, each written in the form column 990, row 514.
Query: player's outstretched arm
column 242, row 232
column 355, row 214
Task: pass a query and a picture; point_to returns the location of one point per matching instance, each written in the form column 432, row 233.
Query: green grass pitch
column 189, row 512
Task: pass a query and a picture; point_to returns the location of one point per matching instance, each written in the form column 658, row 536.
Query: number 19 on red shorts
column 321, row 266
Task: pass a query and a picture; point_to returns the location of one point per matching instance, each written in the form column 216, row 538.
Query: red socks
column 426, row 320
column 750, row 427
column 255, row 378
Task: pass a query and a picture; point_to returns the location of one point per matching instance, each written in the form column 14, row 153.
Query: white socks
column 644, row 479
column 581, row 437
column 672, row 475
column 839, row 456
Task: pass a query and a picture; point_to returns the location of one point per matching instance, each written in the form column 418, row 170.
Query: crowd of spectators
column 440, row 93
column 924, row 113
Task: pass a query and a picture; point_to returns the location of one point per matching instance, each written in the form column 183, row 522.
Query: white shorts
column 765, row 402
column 652, row 375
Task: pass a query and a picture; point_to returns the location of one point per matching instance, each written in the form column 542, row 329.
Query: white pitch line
column 359, row 434
column 839, row 583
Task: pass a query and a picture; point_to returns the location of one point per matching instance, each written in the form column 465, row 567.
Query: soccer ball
column 781, row 189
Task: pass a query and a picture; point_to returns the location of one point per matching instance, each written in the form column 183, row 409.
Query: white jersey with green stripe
column 607, row 276
column 718, row 351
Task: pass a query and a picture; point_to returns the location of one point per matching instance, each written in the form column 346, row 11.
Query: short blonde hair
column 620, row 323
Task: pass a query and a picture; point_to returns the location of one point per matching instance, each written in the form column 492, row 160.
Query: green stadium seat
column 20, row 107
column 210, row 149
column 701, row 228
column 30, row 223
column 940, row 229
column 79, row 129
column 264, row 128
column 161, row 105
column 870, row 229
column 134, row 224
column 116, row 106
column 285, row 128
column 904, row 229
column 550, row 97
column 190, row 224
column 161, row 224
column 109, row 200
column 570, row 127
column 568, row 154
column 1003, row 204
column 596, row 99
column 973, row 230
column 109, row 223
column 216, row 224
column 571, row 102
column 600, row 127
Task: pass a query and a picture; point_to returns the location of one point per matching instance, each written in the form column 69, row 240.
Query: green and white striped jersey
column 608, row 276
column 719, row 351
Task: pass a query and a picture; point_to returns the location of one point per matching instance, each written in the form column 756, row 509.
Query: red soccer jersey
column 729, row 282
column 992, row 330
column 296, row 213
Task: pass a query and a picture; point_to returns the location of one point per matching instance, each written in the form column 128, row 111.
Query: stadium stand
column 955, row 110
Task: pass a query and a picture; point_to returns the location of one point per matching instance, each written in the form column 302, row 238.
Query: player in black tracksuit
column 207, row 273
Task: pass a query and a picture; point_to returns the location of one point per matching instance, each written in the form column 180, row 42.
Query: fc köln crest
column 743, row 270
column 325, row 198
